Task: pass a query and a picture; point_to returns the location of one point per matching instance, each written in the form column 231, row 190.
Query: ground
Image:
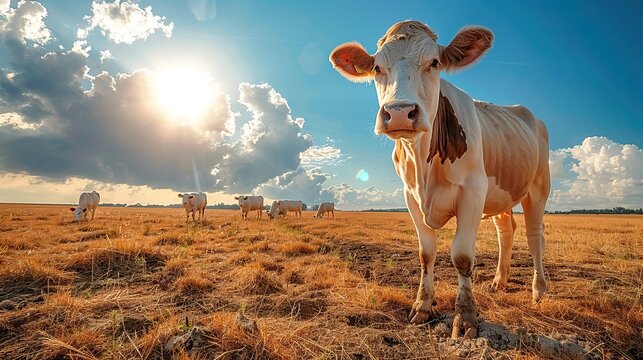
column 141, row 283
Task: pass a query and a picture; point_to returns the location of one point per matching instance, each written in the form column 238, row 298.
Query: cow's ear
column 467, row 47
column 180, row 195
column 353, row 62
column 191, row 196
column 236, row 198
column 72, row 209
column 84, row 209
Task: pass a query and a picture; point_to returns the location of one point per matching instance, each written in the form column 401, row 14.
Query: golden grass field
column 140, row 283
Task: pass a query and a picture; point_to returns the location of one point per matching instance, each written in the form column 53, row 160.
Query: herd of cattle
column 195, row 203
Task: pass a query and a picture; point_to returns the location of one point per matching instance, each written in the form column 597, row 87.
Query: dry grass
column 135, row 280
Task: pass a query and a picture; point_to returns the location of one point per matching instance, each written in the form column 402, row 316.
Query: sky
column 141, row 100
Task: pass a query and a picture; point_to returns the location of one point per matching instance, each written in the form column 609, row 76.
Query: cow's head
column 78, row 213
column 186, row 198
column 241, row 199
column 274, row 210
column 406, row 69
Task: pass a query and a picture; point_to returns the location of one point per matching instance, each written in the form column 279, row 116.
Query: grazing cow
column 325, row 208
column 194, row 203
column 249, row 203
column 456, row 156
column 87, row 201
column 282, row 207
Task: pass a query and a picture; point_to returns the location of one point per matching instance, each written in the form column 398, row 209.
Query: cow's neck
column 411, row 162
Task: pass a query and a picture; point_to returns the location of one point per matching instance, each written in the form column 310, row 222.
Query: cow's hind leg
column 506, row 227
column 534, row 207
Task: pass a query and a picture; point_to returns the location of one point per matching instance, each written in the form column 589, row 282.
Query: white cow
column 194, row 203
column 86, row 202
column 282, row 207
column 456, row 156
column 325, row 208
column 249, row 203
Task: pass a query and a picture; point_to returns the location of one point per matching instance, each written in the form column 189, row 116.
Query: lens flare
column 362, row 175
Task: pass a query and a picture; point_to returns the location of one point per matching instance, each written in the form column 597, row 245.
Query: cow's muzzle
column 399, row 119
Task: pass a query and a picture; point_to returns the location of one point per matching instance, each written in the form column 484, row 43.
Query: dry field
column 139, row 283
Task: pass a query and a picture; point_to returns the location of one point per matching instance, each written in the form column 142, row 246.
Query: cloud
column 124, row 21
column 104, row 55
column 37, row 189
column 25, row 22
column 350, row 198
column 317, row 156
column 598, row 173
column 269, row 145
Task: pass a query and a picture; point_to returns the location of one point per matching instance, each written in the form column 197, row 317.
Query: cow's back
column 89, row 200
column 514, row 147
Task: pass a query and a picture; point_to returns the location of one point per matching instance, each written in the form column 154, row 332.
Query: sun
column 185, row 94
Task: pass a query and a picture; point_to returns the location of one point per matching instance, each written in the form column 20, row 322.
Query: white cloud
column 297, row 185
column 25, row 22
column 124, row 21
column 105, row 54
column 350, row 198
column 15, row 120
column 599, row 173
column 269, row 145
column 327, row 155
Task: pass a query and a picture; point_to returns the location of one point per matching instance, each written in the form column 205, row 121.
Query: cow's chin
column 402, row 134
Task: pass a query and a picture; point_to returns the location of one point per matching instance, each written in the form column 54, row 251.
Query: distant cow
column 87, row 201
column 282, row 207
column 249, row 203
column 194, row 203
column 325, row 208
column 456, row 156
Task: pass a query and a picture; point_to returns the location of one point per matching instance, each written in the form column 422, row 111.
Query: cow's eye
column 435, row 63
column 377, row 69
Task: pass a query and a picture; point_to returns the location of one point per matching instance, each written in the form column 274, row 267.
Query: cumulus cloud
column 317, row 156
column 105, row 54
column 598, row 173
column 269, row 145
column 297, row 185
column 124, row 21
column 25, row 22
column 350, row 198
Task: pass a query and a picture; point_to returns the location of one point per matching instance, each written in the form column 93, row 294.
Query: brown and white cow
column 456, row 156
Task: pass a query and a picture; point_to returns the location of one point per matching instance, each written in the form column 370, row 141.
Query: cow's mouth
column 399, row 134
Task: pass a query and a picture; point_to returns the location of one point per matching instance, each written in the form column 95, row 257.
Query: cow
column 325, row 208
column 457, row 157
column 87, row 201
column 194, row 203
column 249, row 203
column 282, row 207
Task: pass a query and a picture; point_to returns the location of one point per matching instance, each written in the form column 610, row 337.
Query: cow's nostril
column 385, row 114
column 413, row 114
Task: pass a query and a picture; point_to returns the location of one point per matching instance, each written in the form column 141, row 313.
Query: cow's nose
column 400, row 116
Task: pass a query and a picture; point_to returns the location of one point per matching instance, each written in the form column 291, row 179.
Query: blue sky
column 575, row 64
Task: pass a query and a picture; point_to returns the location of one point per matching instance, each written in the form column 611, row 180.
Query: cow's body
column 457, row 157
column 194, row 203
column 249, row 203
column 325, row 208
column 88, row 201
column 282, row 207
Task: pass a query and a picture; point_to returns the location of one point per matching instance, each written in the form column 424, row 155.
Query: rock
column 8, row 305
column 192, row 339
column 247, row 324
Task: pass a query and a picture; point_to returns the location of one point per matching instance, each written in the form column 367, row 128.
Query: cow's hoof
column 538, row 288
column 465, row 326
column 498, row 285
column 420, row 314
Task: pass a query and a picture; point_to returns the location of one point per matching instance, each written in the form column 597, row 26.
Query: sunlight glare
column 185, row 94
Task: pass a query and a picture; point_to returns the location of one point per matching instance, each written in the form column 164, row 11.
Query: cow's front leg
column 463, row 249
column 425, row 299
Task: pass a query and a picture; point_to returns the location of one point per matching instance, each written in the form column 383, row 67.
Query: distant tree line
column 614, row 210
